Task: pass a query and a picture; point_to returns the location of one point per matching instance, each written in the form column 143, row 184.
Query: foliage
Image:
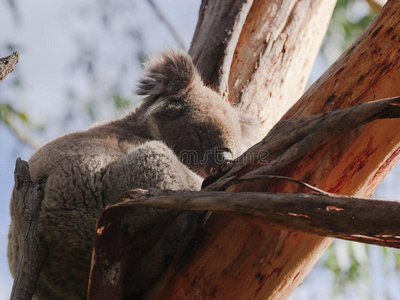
column 349, row 20
column 7, row 112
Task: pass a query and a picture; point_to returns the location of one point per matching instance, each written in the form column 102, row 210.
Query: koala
column 176, row 137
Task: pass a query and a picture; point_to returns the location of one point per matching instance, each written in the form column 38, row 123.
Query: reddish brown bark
column 238, row 259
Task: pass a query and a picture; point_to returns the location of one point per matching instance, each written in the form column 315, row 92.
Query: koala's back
column 75, row 168
column 84, row 173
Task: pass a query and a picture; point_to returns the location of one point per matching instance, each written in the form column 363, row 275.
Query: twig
column 7, row 64
column 299, row 182
column 167, row 24
column 15, row 11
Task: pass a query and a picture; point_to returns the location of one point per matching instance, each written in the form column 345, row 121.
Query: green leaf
column 7, row 112
column 121, row 103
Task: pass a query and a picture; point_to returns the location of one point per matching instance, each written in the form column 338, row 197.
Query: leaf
column 121, row 103
column 7, row 112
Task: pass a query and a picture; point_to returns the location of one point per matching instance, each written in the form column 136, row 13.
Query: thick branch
column 140, row 237
column 213, row 46
column 113, row 264
column 359, row 219
column 25, row 207
column 274, row 56
column 7, row 64
column 290, row 140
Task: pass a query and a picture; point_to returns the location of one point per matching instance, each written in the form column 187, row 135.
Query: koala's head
column 193, row 120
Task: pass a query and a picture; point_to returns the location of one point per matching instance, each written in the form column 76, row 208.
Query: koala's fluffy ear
column 250, row 127
column 167, row 77
column 168, row 74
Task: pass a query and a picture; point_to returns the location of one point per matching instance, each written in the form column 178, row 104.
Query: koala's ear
column 167, row 78
column 169, row 74
column 250, row 127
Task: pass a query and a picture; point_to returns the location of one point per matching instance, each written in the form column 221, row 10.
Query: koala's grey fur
column 86, row 171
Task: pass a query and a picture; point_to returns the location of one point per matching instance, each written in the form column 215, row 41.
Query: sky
column 47, row 37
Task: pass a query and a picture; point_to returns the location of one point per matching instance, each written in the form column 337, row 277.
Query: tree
column 264, row 58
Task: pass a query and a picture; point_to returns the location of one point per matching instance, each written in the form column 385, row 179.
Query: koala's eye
column 173, row 110
column 199, row 138
column 174, row 101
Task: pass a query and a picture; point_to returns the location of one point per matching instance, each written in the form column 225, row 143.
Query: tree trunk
column 258, row 54
column 238, row 259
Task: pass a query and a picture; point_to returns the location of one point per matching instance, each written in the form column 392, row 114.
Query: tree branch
column 213, row 47
column 7, row 64
column 290, row 140
column 161, row 16
column 358, row 219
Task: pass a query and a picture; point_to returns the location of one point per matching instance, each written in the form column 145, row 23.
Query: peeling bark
column 274, row 56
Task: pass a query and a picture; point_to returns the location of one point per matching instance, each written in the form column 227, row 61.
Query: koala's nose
column 214, row 175
column 212, row 170
column 220, row 158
